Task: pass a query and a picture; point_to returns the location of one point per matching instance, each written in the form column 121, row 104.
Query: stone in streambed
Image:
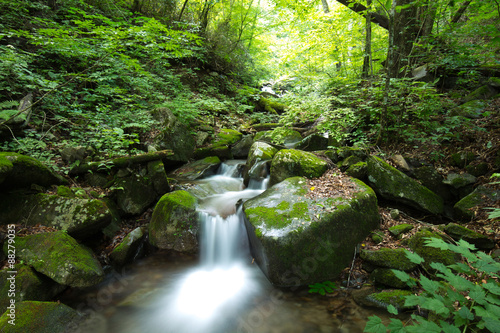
column 60, row 257
column 291, row 162
column 174, row 224
column 297, row 240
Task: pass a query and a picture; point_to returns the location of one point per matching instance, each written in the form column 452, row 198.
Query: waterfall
column 207, row 299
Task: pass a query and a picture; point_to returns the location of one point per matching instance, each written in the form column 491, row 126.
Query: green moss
column 391, row 297
column 291, row 162
column 227, row 137
column 283, row 205
column 431, row 254
column 400, row 229
column 61, row 258
column 42, row 317
column 395, row 185
column 64, row 191
column 388, row 258
column 387, row 277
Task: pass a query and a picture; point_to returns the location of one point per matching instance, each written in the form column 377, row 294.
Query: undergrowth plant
column 463, row 297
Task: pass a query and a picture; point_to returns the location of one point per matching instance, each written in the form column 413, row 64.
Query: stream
column 220, row 291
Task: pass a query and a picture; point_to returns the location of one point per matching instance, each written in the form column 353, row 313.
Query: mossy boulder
column 19, row 171
column 269, row 106
column 464, row 209
column 227, row 137
column 264, row 136
column 175, row 136
column 134, row 194
column 400, row 229
column 129, row 248
column 477, row 169
column 471, row 109
column 174, row 224
column 481, row 93
column 242, row 147
column 358, row 170
column 222, row 152
column 392, row 184
column 430, row 178
column 291, row 162
column 29, row 285
column 462, row 159
column 40, row 317
column 457, row 232
column 158, row 177
column 313, row 142
column 388, row 258
column 198, row 169
column 297, row 240
column 78, row 217
column 386, row 277
column 60, row 257
column 259, row 159
column 349, row 161
column 383, row 299
column 431, row 254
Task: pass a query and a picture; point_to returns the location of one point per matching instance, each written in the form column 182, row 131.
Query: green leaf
column 391, row 309
column 448, row 328
column 436, row 306
column 414, row 258
column 374, row 325
column 396, row 326
column 492, row 324
column 465, row 313
column 430, row 286
column 436, row 242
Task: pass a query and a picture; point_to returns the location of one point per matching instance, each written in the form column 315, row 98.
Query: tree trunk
column 368, row 44
column 136, row 6
column 182, row 10
column 326, row 8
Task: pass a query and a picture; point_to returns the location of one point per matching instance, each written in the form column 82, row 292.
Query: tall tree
column 367, row 58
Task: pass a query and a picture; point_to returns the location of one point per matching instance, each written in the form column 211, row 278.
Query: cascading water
column 208, row 298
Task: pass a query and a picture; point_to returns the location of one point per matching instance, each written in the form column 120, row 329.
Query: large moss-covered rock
column 392, row 184
column 79, row 217
column 242, row 148
column 431, row 254
column 28, row 285
column 298, row 240
column 457, row 232
column 386, row 277
column 60, row 257
column 158, row 177
column 174, row 224
column 135, row 194
column 313, row 142
column 383, row 299
column 464, row 209
column 291, row 162
column 198, row 169
column 430, row 178
column 20, row 171
column 227, row 137
column 471, row 109
column 388, row 258
column 358, row 170
column 127, row 250
column 175, row 136
column 40, row 317
column 259, row 158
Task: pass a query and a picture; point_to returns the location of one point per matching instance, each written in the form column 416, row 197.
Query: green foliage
column 455, row 303
column 495, row 212
column 322, row 288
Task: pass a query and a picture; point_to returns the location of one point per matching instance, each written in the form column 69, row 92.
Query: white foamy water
column 208, row 298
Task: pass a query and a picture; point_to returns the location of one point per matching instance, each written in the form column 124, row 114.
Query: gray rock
column 464, row 209
column 313, row 142
column 394, row 185
column 78, row 217
column 457, row 232
column 297, row 240
column 198, row 169
column 129, row 248
column 174, row 224
column 242, row 148
column 19, row 171
column 291, row 162
column 135, row 194
column 61, row 258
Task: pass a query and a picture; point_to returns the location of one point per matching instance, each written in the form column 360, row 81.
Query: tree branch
column 377, row 18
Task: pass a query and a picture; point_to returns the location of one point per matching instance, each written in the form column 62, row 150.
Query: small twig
column 352, row 265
